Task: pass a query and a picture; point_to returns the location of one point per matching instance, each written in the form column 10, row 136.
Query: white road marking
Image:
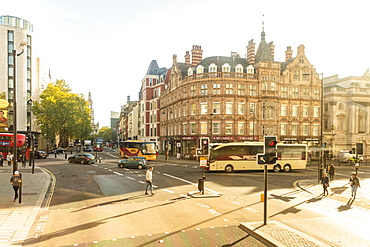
column 169, row 191
column 186, row 181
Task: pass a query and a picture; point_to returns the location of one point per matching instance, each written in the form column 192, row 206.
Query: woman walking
column 325, row 184
column 354, row 182
column 15, row 181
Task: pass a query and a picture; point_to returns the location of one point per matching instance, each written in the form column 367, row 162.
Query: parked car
column 82, row 158
column 40, row 154
column 133, row 162
column 98, row 149
column 59, row 150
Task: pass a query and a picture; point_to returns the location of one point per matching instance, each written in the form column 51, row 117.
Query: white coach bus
column 235, row 156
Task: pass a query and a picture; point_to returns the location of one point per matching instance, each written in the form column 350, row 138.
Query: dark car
column 40, row 155
column 57, row 150
column 82, row 158
column 133, row 162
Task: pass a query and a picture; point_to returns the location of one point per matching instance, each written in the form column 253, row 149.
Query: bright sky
column 106, row 46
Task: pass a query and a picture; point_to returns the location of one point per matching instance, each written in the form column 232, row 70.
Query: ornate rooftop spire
column 264, row 50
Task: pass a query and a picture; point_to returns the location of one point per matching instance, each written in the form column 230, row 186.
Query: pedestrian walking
column 1, row 159
column 331, row 172
column 9, row 158
column 23, row 159
column 149, row 180
column 325, row 184
column 354, row 182
column 15, row 181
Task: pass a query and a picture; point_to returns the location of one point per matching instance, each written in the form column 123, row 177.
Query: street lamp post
column 211, row 128
column 322, row 126
column 166, row 143
column 15, row 154
column 30, row 136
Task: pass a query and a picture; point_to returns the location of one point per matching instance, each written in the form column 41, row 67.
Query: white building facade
column 347, row 113
column 16, row 34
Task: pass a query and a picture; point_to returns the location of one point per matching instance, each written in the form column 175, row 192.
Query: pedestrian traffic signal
column 270, row 149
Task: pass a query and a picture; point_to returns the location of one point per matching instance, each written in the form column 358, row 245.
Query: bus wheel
column 277, row 168
column 229, row 168
column 287, row 168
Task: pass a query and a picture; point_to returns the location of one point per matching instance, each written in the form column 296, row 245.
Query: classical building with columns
column 232, row 98
column 346, row 113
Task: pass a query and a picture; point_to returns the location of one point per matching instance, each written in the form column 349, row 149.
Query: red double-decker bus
column 6, row 144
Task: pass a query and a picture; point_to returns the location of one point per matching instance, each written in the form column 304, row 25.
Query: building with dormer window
column 232, row 99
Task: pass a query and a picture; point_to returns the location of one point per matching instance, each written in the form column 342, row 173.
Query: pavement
column 17, row 219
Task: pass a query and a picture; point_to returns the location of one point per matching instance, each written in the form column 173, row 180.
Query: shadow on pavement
column 347, row 206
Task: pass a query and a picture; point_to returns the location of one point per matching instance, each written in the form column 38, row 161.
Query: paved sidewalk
column 16, row 219
column 279, row 234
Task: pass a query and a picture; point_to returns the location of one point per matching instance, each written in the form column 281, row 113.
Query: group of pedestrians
column 354, row 181
column 9, row 158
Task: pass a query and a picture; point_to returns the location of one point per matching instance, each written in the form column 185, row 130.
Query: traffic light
column 36, row 142
column 204, row 145
column 270, row 149
column 27, row 141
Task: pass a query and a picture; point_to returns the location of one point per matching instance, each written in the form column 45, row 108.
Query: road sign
column 203, row 161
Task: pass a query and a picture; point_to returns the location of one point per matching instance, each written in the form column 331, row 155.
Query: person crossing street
column 149, row 180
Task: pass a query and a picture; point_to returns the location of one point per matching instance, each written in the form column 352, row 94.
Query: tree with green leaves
column 106, row 133
column 59, row 112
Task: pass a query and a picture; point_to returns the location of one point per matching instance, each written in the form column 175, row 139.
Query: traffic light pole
column 265, row 197
column 270, row 154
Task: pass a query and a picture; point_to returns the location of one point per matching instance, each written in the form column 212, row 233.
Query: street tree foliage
column 106, row 133
column 59, row 112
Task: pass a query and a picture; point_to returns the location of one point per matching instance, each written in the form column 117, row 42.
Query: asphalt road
column 104, row 205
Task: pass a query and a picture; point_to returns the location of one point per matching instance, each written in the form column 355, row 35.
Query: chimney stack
column 288, row 53
column 196, row 55
column 251, row 52
column 187, row 58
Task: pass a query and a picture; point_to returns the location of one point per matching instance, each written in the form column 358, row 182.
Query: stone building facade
column 346, row 113
column 231, row 99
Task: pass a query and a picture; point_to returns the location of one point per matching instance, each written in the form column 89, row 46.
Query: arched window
column 250, row 69
column 239, row 71
column 226, row 70
column 212, row 69
column 190, row 71
column 200, row 69
column 239, row 68
column 226, row 67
